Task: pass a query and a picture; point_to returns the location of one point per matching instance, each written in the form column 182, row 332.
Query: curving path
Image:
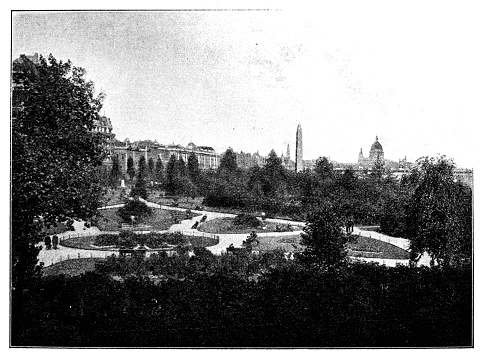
column 52, row 256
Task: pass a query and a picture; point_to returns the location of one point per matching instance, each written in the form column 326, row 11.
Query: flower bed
column 129, row 240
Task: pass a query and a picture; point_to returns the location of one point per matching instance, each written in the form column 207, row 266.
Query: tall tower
column 288, row 153
column 299, row 150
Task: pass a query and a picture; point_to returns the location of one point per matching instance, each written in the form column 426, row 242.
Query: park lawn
column 160, row 219
column 288, row 243
column 81, row 242
column 226, row 226
column 71, row 267
column 372, row 248
column 362, row 247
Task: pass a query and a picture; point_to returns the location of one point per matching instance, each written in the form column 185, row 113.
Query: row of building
column 208, row 158
column 122, row 150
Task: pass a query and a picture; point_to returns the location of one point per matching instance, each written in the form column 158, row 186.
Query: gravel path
column 62, row 253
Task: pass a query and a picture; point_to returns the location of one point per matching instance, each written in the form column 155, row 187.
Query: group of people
column 51, row 243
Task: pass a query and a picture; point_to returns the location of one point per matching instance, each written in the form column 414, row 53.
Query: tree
column 193, row 169
column 181, row 168
column 228, row 163
column 142, row 167
column 55, row 154
column 139, row 189
column 439, row 215
column 115, row 171
column 151, row 168
column 323, row 239
column 273, row 175
column 171, row 175
column 378, row 168
column 324, row 169
column 159, row 177
column 135, row 208
column 130, row 168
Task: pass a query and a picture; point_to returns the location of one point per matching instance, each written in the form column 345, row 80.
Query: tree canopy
column 228, row 163
column 323, row 239
column 55, row 153
column 439, row 214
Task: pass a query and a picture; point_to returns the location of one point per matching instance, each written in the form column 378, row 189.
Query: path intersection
column 49, row 257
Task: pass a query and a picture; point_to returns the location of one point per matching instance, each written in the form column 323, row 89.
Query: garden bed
column 110, row 242
column 226, row 226
column 160, row 219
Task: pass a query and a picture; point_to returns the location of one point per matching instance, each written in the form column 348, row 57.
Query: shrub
column 106, row 240
column 134, row 208
column 247, row 220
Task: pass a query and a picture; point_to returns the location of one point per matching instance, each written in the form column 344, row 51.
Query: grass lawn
column 286, row 243
column 81, row 243
column 71, row 267
column 362, row 247
column 159, row 220
column 226, row 226
column 372, row 248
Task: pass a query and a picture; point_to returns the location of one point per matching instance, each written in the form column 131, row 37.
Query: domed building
column 376, row 151
column 376, row 154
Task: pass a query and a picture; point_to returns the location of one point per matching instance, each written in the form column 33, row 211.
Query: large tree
column 323, row 239
column 228, row 162
column 439, row 214
column 115, row 172
column 324, row 168
column 273, row 175
column 55, row 154
column 171, row 175
column 130, row 168
column 159, row 168
column 192, row 168
column 151, row 168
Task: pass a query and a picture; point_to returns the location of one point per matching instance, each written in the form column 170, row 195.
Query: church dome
column 376, row 146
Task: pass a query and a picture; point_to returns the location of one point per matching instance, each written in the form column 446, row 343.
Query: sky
column 409, row 74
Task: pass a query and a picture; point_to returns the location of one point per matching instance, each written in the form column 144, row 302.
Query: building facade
column 206, row 156
column 105, row 128
column 248, row 160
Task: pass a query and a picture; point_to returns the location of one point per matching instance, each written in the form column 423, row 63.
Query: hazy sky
column 245, row 79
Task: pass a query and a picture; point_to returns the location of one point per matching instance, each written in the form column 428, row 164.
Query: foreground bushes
column 361, row 305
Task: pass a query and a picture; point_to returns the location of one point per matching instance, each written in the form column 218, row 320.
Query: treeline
column 427, row 206
column 360, row 305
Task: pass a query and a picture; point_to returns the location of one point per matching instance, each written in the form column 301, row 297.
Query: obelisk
column 299, row 150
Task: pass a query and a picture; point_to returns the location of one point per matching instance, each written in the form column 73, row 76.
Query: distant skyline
column 245, row 79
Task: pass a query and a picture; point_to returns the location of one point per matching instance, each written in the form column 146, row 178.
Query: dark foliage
column 362, row 306
column 135, row 208
column 439, row 214
column 55, row 156
column 247, row 221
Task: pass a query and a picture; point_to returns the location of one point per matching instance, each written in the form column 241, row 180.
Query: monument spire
column 299, row 150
